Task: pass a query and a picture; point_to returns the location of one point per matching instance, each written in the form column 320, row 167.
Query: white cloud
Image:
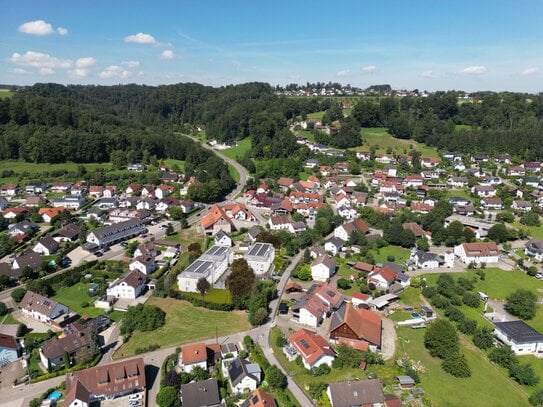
column 82, row 67
column 114, row 71
column 344, row 73
column 167, row 54
column 20, row 71
column 47, row 71
column 429, row 74
column 37, row 27
column 474, row 70
column 40, row 60
column 131, row 64
column 62, row 31
column 140, row 38
column 369, row 69
column 530, row 71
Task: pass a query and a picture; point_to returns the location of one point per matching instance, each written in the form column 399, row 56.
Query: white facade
column 246, row 384
column 56, row 312
column 123, row 290
column 309, row 319
column 521, row 346
column 112, row 234
column 146, row 267
column 321, row 272
column 467, row 258
column 70, row 202
column 260, row 257
column 211, row 265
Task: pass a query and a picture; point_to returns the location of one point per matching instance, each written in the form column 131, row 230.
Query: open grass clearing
column 74, row 297
column 233, row 173
column 6, row 93
column 170, row 163
column 533, row 231
column 487, row 386
column 8, row 320
column 243, row 146
column 378, row 136
column 381, row 255
column 214, row 295
column 20, row 167
column 185, row 323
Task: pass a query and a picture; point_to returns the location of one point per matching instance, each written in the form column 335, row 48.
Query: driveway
column 388, row 339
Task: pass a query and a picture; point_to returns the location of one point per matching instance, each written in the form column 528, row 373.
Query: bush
column 343, row 283
column 320, row 370
column 454, row 314
column 439, row 301
column 456, row 365
column 441, row 339
column 483, row 338
column 471, row 300
column 391, row 259
column 467, row 326
column 275, row 378
column 522, row 304
column 18, row 294
column 280, row 341
column 146, row 349
column 503, row 356
column 536, row 399
column 142, row 318
column 3, row 309
column 168, row 397
column 523, row 374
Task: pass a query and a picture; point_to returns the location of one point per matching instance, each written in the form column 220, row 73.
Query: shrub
column 320, row 370
column 142, row 318
column 441, row 339
column 3, row 309
column 467, row 326
column 391, row 259
column 343, row 283
column 522, row 304
column 483, row 338
column 456, row 365
column 454, row 314
column 503, row 356
column 536, row 399
column 523, row 374
column 276, row 379
column 18, row 294
column 168, row 397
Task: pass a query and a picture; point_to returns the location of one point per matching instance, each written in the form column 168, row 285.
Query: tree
column 536, row 398
column 258, row 317
column 343, row 283
column 175, row 212
column 483, row 338
column 499, row 233
column 275, row 378
column 170, row 230
column 456, row 365
column 503, row 356
column 524, row 374
column 441, row 339
column 22, row 330
column 530, row 219
column 522, row 303
column 18, row 294
column 199, row 373
column 407, row 239
column 168, row 396
column 422, row 244
column 3, row 309
column 347, row 356
column 203, row 286
column 142, row 318
column 241, row 280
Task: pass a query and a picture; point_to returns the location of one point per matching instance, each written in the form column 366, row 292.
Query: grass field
column 170, row 162
column 534, row 231
column 379, row 137
column 5, row 93
column 215, row 295
column 33, row 168
column 233, row 172
column 185, row 323
column 315, row 116
column 487, row 387
column 8, row 320
column 74, row 296
column 400, row 254
column 238, row 151
column 460, row 193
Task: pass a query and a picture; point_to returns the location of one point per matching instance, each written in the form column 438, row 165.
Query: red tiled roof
column 481, row 249
column 310, row 346
column 215, row 214
column 194, row 353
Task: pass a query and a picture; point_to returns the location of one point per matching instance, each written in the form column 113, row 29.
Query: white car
column 135, row 397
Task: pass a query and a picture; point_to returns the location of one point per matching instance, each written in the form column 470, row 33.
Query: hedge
column 60, row 372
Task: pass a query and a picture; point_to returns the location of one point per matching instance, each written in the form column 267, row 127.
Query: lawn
column 488, row 385
column 36, row 169
column 5, row 93
column 381, row 255
column 243, row 146
column 411, row 296
column 534, row 231
column 185, row 323
column 315, row 116
column 170, row 162
column 8, row 320
column 233, row 172
column 76, row 295
column 460, row 193
column 215, row 295
column 379, row 137
column 186, row 237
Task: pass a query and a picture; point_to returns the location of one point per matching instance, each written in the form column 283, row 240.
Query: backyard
column 378, row 136
column 381, row 255
column 185, row 323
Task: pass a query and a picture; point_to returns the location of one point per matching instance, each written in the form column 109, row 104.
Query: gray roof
column 254, row 232
column 203, row 393
column 238, row 370
column 49, row 243
column 427, row 256
column 336, row 241
column 519, row 331
column 356, row 393
column 535, row 246
column 29, row 259
column 261, row 250
column 116, row 228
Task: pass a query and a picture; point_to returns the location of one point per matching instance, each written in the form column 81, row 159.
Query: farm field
column 185, row 323
column 37, row 169
column 379, row 137
column 5, row 93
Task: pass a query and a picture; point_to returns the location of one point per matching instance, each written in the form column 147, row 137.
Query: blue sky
column 469, row 45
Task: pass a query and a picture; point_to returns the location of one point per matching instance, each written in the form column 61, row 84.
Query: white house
column 521, row 337
column 108, row 235
column 74, row 202
column 193, row 355
column 477, row 252
column 425, row 260
column 41, row 308
column 46, row 246
column 334, row 245
column 323, row 268
column 244, row 376
column 130, row 286
column 211, row 265
column 314, row 349
column 534, row 248
column 260, row 257
column 483, row 191
column 344, row 231
column 145, row 264
column 222, row 239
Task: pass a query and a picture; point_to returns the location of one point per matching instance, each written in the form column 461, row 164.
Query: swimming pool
column 415, row 315
column 54, row 396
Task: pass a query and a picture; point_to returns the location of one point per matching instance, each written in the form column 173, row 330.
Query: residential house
column 259, row 398
column 244, row 376
column 516, row 171
column 323, row 268
column 118, row 232
column 46, row 246
column 357, row 324
column 492, row 204
column 47, row 214
column 414, row 181
column 534, row 248
column 457, row 182
column 416, row 229
column 34, row 201
column 532, row 166
column 260, row 257
column 222, row 239
column 130, row 286
column 132, row 189
column 319, row 301
column 96, row 191
column 192, row 355
column 163, row 191
column 360, row 300
column 365, row 393
column 23, row 228
column 68, row 233
column 482, row 191
column 74, row 202
column 144, row 264
column 521, row 337
column 285, row 183
column 10, row 348
column 104, row 382
column 12, row 213
column 215, row 220
column 42, row 308
column 521, row 206
column 35, row 188
column 3, row 203
column 344, row 231
column 334, row 245
column 203, row 393
column 426, row 260
column 478, row 252
column 75, row 341
column 28, row 259
column 314, row 349
column 9, row 189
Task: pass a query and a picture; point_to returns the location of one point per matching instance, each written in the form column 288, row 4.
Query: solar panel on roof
column 304, row 344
